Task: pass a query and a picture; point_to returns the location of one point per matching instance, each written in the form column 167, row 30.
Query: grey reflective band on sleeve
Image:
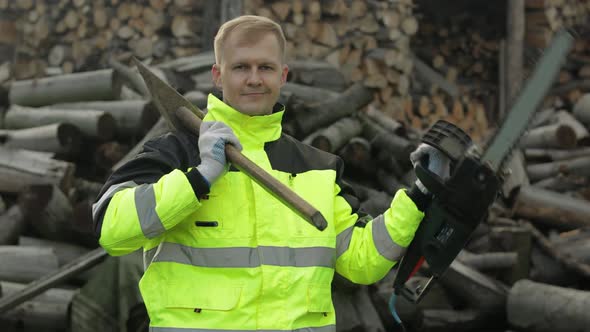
column 98, row 206
column 327, row 328
column 383, row 241
column 145, row 204
column 343, row 241
column 244, row 257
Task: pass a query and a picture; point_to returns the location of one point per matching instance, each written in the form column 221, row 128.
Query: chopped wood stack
column 367, row 41
column 77, row 35
column 545, row 17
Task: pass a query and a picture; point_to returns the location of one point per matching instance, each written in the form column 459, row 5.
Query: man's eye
column 266, row 68
column 239, row 67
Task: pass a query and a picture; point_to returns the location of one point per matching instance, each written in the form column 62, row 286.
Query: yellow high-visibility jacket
column 233, row 257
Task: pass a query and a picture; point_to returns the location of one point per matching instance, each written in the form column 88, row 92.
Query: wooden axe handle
column 280, row 191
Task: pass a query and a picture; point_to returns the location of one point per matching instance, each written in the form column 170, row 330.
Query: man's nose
column 254, row 77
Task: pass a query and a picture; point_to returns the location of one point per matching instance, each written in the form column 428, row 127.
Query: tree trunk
column 332, row 138
column 582, row 109
column 160, row 128
column 60, row 138
column 561, row 309
column 92, row 123
column 93, row 85
column 22, row 168
column 578, row 166
column 557, row 135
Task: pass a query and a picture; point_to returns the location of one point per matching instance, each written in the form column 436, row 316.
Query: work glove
column 432, row 159
column 213, row 136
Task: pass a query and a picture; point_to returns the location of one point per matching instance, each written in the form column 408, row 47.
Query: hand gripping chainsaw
column 462, row 201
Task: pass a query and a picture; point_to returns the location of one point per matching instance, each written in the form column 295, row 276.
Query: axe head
column 165, row 97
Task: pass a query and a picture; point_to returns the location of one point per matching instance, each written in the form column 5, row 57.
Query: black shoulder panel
column 292, row 156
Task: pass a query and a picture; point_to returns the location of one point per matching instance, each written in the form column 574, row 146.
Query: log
column 25, row 264
column 489, row 260
column 432, row 77
column 332, row 138
column 308, row 94
column 577, row 166
column 440, row 320
column 47, row 312
column 133, row 117
column 385, row 121
column 158, row 129
column 575, row 244
column 513, row 239
column 12, row 224
column 558, row 210
column 388, row 182
column 49, row 212
column 581, row 109
column 21, row 168
column 517, row 176
column 515, row 26
column 382, row 139
column 92, row 85
column 92, row 123
column 356, row 155
column 475, row 288
column 556, row 154
column 327, row 112
column 563, row 183
column 63, row 139
column 557, row 135
column 64, row 251
column 317, row 74
column 562, row 309
column 580, row 131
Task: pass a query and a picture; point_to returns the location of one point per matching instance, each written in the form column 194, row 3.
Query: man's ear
column 216, row 74
column 284, row 74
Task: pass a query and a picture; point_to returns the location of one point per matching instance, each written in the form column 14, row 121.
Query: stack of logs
column 76, row 35
column 544, row 17
column 538, row 231
column 369, row 41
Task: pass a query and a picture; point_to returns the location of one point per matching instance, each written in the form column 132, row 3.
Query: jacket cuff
column 419, row 198
column 198, row 183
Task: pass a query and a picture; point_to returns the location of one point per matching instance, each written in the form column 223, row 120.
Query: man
column 220, row 252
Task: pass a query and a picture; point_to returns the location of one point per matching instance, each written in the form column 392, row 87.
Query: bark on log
column 25, row 264
column 518, row 175
column 47, row 312
column 49, row 212
column 92, row 123
column 356, row 155
column 563, row 183
column 158, row 129
column 555, row 154
column 475, row 288
column 12, row 223
column 557, row 135
column 441, row 320
column 385, row 121
column 133, row 117
column 578, row 166
column 332, row 138
column 551, row 208
column 578, row 128
column 561, row 309
column 93, row 85
column 21, row 168
column 582, row 109
column 382, row 139
column 317, row 74
column 309, row 94
column 434, row 78
column 63, row 139
column 489, row 260
column 65, row 252
column 329, row 111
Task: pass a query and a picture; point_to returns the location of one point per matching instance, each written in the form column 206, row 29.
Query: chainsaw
column 462, row 201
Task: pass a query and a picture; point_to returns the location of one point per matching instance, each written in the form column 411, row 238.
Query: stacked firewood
column 76, row 35
column 367, row 41
column 59, row 145
column 544, row 17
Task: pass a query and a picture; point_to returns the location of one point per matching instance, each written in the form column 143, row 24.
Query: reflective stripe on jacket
column 235, row 258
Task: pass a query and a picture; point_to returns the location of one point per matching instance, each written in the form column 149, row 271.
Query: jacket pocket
column 203, row 298
column 319, row 299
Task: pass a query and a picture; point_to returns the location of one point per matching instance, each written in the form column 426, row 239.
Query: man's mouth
column 254, row 93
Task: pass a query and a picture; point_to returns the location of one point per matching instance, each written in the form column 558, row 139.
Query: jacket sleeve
column 368, row 248
column 148, row 196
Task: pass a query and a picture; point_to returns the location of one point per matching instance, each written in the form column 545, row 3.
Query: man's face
column 251, row 73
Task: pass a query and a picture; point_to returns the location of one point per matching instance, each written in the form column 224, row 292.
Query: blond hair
column 251, row 27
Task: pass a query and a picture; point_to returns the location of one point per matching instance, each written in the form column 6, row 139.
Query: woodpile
column 78, row 35
column 545, row 17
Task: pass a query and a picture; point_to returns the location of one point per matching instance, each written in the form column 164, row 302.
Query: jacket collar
column 252, row 131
